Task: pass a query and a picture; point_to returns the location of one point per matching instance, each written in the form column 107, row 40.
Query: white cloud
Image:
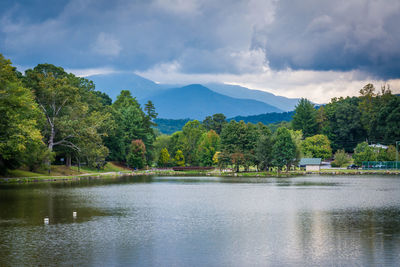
column 107, row 45
column 91, row 71
column 318, row 86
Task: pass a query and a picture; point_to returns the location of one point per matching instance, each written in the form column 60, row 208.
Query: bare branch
column 64, row 140
column 68, row 144
column 61, row 106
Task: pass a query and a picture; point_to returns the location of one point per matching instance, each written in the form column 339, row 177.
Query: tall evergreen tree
column 305, row 118
column 131, row 124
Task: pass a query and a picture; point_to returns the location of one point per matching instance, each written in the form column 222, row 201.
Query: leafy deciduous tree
column 20, row 138
column 208, row 145
column 363, row 152
column 179, row 158
column 341, row 159
column 284, row 149
column 317, row 146
column 164, row 157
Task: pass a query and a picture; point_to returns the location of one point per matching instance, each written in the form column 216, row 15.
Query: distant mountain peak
column 197, row 101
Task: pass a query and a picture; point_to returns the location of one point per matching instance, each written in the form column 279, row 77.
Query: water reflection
column 203, row 221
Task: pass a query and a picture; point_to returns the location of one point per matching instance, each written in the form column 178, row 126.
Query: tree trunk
column 68, row 161
column 51, row 143
column 79, row 163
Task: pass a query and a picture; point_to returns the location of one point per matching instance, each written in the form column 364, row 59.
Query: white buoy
column 46, row 220
column 74, row 214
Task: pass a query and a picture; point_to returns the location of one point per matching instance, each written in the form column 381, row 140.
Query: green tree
column 164, row 157
column 297, row 137
column 160, row 142
column 387, row 121
column 215, row 122
column 179, row 158
column 20, row 138
column 192, row 132
column 391, row 153
column 363, row 152
column 131, row 124
column 343, row 124
column 137, row 154
column 342, row 159
column 366, row 107
column 75, row 120
column 284, row 149
column 177, row 142
column 264, row 151
column 208, row 145
column 150, row 110
column 239, row 143
column 317, row 146
column 305, row 118
column 103, row 98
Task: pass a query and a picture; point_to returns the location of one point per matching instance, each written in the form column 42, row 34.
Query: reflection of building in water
column 348, row 237
column 314, row 236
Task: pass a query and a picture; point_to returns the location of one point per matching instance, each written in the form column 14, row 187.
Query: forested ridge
column 50, row 116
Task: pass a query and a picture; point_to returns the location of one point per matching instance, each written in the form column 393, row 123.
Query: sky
column 306, row 48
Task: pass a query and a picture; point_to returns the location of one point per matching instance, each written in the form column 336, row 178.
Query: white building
column 311, row 164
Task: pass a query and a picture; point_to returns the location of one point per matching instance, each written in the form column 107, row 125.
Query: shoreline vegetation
column 53, row 118
column 113, row 171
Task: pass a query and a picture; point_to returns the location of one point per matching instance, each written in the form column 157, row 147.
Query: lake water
column 203, row 221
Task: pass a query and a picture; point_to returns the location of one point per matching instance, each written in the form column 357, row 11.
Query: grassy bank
column 58, row 173
column 111, row 170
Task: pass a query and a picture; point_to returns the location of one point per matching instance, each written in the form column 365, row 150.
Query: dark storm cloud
column 204, row 36
column 201, row 35
column 335, row 35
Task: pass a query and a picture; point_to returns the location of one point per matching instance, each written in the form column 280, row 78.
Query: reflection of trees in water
column 29, row 206
column 360, row 236
column 25, row 240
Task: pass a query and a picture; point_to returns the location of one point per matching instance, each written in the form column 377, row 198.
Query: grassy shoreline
column 119, row 172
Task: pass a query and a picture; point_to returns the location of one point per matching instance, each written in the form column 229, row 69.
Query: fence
column 380, row 165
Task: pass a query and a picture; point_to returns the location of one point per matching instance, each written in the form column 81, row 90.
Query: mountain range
column 196, row 102
column 193, row 101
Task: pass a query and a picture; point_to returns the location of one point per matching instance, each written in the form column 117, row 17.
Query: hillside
column 112, row 84
column 143, row 88
column 265, row 118
column 169, row 126
column 236, row 91
column 196, row 102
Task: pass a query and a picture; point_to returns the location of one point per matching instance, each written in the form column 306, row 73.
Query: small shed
column 311, row 164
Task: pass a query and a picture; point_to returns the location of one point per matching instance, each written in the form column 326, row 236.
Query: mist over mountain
column 283, row 103
column 113, row 83
column 196, row 102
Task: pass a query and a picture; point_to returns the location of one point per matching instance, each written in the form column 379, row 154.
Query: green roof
column 310, row 161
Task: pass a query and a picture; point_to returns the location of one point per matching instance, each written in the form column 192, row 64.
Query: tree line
column 344, row 125
column 49, row 115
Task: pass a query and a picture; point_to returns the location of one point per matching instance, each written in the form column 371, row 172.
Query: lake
column 203, row 221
